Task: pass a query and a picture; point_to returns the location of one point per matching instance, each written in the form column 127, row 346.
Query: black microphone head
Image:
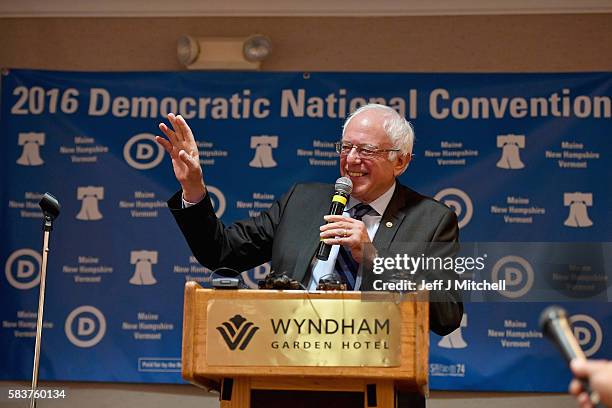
column 550, row 314
column 556, row 326
column 344, row 184
column 49, row 205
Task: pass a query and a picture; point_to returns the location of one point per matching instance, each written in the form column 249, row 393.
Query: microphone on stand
column 343, row 189
column 555, row 326
column 49, row 205
column 51, row 209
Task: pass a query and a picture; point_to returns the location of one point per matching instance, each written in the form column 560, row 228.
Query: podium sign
column 241, row 341
column 303, row 332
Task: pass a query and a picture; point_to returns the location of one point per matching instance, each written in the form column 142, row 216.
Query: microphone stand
column 49, row 216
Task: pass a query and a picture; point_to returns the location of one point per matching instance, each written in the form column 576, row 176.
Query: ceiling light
column 223, row 52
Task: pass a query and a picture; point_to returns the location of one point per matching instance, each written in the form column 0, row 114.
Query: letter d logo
column 518, row 274
column 139, row 151
column 22, row 268
column 588, row 333
column 89, row 329
column 25, row 269
column 86, row 326
column 144, row 152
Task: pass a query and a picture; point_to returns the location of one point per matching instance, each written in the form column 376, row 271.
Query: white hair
column 398, row 130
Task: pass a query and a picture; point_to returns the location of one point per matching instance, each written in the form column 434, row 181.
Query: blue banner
column 519, row 157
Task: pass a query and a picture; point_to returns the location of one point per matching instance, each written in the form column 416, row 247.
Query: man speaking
column 375, row 149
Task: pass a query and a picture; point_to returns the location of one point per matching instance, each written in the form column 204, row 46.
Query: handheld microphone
column 555, row 326
column 343, row 189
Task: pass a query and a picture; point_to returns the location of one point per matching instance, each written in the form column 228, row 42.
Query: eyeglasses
column 364, row 151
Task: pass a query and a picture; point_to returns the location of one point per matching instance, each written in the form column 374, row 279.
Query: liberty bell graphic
column 31, row 142
column 510, row 145
column 143, row 272
column 578, row 216
column 89, row 207
column 263, row 146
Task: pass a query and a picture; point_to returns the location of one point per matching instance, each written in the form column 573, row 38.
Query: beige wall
column 531, row 43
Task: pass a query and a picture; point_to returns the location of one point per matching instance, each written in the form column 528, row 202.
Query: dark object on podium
column 331, row 282
column 279, row 281
column 227, row 278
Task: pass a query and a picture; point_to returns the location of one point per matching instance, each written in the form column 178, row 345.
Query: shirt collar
column 379, row 205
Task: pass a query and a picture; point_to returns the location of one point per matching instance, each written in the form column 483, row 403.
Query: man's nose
column 353, row 156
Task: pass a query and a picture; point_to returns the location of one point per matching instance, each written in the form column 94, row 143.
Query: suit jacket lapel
column 392, row 218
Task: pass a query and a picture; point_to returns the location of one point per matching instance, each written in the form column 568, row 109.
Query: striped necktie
column 346, row 266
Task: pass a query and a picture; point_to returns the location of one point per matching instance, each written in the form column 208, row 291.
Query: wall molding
column 297, row 8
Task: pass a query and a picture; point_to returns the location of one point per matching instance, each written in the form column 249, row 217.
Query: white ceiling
column 193, row 8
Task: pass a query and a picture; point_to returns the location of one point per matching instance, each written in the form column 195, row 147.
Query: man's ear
column 401, row 164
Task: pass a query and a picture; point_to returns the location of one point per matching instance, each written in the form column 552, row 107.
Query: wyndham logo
column 237, row 332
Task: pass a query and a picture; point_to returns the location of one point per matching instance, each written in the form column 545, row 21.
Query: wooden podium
column 236, row 382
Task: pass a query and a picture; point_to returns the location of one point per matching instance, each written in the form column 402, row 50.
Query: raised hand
column 182, row 148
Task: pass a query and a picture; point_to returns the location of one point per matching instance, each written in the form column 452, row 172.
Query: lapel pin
column 389, row 224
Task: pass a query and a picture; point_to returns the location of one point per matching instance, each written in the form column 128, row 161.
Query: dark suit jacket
column 288, row 235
